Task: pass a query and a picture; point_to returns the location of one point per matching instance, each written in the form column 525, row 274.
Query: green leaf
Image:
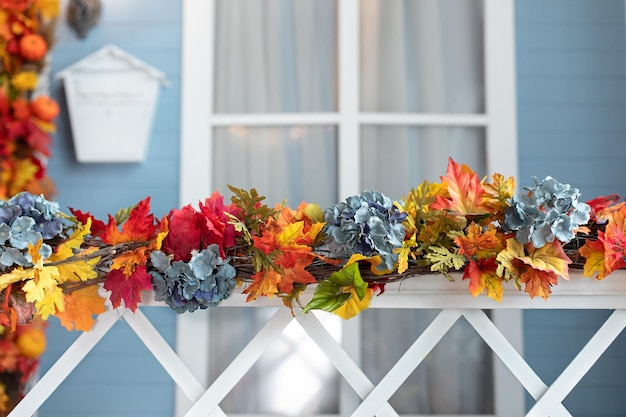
column 442, row 260
column 253, row 211
column 328, row 296
column 123, row 214
column 332, row 292
column 350, row 276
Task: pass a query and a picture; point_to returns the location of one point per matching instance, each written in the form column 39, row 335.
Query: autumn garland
column 54, row 263
column 26, row 125
column 26, row 37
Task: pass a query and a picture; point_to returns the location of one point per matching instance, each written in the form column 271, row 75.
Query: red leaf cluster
column 194, row 230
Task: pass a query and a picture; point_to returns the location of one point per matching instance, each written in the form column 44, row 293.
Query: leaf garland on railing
column 70, row 265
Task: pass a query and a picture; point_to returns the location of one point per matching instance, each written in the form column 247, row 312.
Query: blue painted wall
column 571, row 77
column 120, row 377
column 570, row 61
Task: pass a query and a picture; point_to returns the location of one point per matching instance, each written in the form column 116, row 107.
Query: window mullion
column 500, row 87
column 423, row 119
column 349, row 130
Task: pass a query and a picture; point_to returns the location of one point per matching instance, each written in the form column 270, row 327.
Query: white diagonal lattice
column 374, row 397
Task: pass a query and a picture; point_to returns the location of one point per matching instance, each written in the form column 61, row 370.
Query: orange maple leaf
column 465, row 191
column 138, row 228
column 80, row 308
column 498, row 194
column 593, row 252
column 538, row 268
column 265, row 284
column 476, row 242
column 483, row 277
column 126, row 261
column 293, row 270
column 614, row 237
column 287, row 241
column 538, row 282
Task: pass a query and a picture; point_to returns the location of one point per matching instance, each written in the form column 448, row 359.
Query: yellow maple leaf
column 514, row 250
column 374, row 261
column 43, row 288
column 405, row 252
column 498, row 193
column 44, row 280
column 83, row 268
column 51, row 303
column 593, row 252
column 16, row 275
column 548, row 258
column 354, row 306
column 80, row 308
column 162, row 234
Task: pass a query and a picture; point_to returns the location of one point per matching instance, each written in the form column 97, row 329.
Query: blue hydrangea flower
column 186, row 286
column 26, row 219
column 549, row 210
column 44, row 213
column 368, row 224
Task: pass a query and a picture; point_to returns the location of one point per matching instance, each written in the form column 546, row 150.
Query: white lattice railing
column 432, row 292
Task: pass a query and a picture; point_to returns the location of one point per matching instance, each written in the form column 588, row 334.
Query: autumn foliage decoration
column 26, row 37
column 26, row 125
column 72, row 265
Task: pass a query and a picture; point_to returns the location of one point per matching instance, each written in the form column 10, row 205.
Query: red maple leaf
column 483, row 277
column 600, row 203
column 139, row 226
column 127, row 289
column 97, row 226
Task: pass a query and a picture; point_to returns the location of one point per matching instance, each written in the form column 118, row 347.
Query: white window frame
column 198, row 121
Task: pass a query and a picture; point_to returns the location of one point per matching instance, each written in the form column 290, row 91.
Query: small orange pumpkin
column 45, row 108
column 33, row 47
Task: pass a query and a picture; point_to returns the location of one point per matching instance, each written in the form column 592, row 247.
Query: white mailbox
column 111, row 98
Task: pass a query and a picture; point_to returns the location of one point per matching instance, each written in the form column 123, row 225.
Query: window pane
column 292, row 378
column 275, row 56
column 396, row 159
column 455, row 378
column 296, row 163
column 422, row 56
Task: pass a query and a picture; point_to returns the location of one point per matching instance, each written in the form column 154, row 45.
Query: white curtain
column 278, row 56
column 423, row 57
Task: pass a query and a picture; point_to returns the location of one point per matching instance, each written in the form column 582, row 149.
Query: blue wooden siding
column 572, row 125
column 120, row 377
column 570, row 61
